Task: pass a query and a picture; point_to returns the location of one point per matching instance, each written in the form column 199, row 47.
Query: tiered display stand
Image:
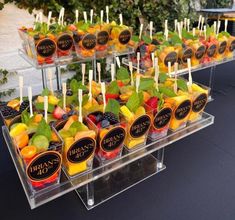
column 107, row 180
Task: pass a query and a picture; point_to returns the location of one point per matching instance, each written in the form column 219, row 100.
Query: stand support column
column 160, row 158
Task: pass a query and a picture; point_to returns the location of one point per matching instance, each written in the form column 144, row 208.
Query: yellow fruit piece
column 197, row 88
column 14, row 103
column 68, row 142
column 135, row 142
column 140, row 111
column 53, row 100
column 127, row 113
column 40, row 99
column 124, row 97
column 68, row 123
column 73, row 169
column 19, row 128
column 146, row 96
column 82, row 134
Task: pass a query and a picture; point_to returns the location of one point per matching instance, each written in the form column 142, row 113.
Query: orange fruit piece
column 28, row 152
column 38, row 118
column 54, row 137
column 22, row 140
column 14, row 103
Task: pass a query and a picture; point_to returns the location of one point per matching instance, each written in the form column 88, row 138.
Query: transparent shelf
column 184, row 71
column 87, row 183
column 71, row 59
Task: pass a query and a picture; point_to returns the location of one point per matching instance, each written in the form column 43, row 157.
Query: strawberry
column 152, row 102
column 72, row 27
column 120, row 83
column 58, row 112
column 111, row 96
column 92, row 118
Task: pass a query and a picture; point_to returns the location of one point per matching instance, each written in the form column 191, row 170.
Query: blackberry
column 24, row 105
column 105, row 123
column 69, row 93
column 65, row 116
column 8, row 112
column 112, row 118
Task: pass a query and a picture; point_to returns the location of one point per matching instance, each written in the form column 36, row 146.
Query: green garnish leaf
column 113, row 106
column 45, row 92
column 113, row 88
column 44, row 129
column 175, row 39
column 162, row 77
column 73, row 85
column 135, row 101
column 40, row 106
column 167, row 91
column 146, row 84
column 122, row 73
column 135, row 38
column 25, row 117
column 146, row 39
column 182, row 85
column 85, row 99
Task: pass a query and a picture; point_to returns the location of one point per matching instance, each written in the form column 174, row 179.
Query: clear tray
column 66, row 185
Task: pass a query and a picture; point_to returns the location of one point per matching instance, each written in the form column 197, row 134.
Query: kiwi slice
column 41, row 142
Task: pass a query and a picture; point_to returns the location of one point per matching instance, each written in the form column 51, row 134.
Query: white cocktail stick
column 225, row 25
column 118, row 62
column 90, row 84
column 80, row 105
column 64, row 90
column 137, row 83
column 188, row 24
column 199, row 22
column 194, row 32
column 205, row 31
column 40, row 17
column 176, row 72
column 202, row 25
column 218, row 27
column 45, row 107
column 153, row 57
column 99, row 72
column 85, row 16
column 176, row 23
column 76, row 16
column 190, row 80
column 62, row 17
column 166, row 26
column 30, row 96
column 179, row 30
column 49, row 19
column 169, row 68
column 131, row 71
column 91, row 15
column 151, row 30
column 101, row 16
column 50, row 80
column 103, row 94
column 21, row 85
column 121, row 19
column 112, row 72
column 166, row 35
column 156, row 73
column 141, row 30
column 83, row 73
column 138, row 62
column 107, row 14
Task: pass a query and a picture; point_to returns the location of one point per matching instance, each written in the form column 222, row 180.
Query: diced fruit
column 68, row 142
column 16, row 130
column 92, row 118
column 68, row 123
column 152, row 102
column 54, row 137
column 38, row 118
column 111, row 117
column 14, row 103
column 58, row 112
column 127, row 113
column 28, row 152
column 40, row 99
column 53, row 100
column 82, row 134
column 41, row 142
column 22, row 140
column 105, row 123
column 140, row 111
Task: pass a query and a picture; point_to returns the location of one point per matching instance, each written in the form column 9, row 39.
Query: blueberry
column 65, row 116
column 69, row 93
column 72, row 112
column 105, row 123
column 99, row 117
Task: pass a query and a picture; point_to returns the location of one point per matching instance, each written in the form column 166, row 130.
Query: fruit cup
column 181, row 105
column 79, row 145
column 120, row 36
column 199, row 98
column 111, row 134
column 39, row 148
column 85, row 42
column 212, row 48
column 230, row 47
column 199, row 51
column 185, row 52
column 222, row 46
column 161, row 117
column 138, row 123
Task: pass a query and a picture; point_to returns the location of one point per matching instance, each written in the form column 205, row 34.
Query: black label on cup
column 46, row 47
column 44, row 166
column 65, row 42
column 232, row 46
column 211, row 50
column 222, row 47
column 89, row 41
column 81, row 150
column 102, row 37
column 200, row 52
column 113, row 139
column 162, row 118
column 140, row 126
column 199, row 103
column 183, row 110
column 170, row 57
column 187, row 54
column 124, row 37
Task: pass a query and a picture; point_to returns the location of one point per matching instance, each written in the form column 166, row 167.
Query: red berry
column 58, row 112
column 152, row 102
column 92, row 118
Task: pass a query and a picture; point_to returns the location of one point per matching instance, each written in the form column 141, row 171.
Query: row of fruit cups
column 104, row 131
column 45, row 44
column 175, row 49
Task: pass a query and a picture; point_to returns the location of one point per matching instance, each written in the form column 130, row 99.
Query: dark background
column 199, row 182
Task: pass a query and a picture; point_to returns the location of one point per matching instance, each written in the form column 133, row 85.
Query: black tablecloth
column 199, row 182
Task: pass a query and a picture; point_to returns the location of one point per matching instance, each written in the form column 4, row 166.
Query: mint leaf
column 135, row 101
column 40, row 106
column 113, row 88
column 162, row 77
column 44, row 129
column 25, row 117
column 135, row 38
column 167, row 91
column 45, row 92
column 182, row 85
column 113, row 106
column 146, row 39
column 122, row 73
column 175, row 39
column 73, row 85
column 146, row 84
